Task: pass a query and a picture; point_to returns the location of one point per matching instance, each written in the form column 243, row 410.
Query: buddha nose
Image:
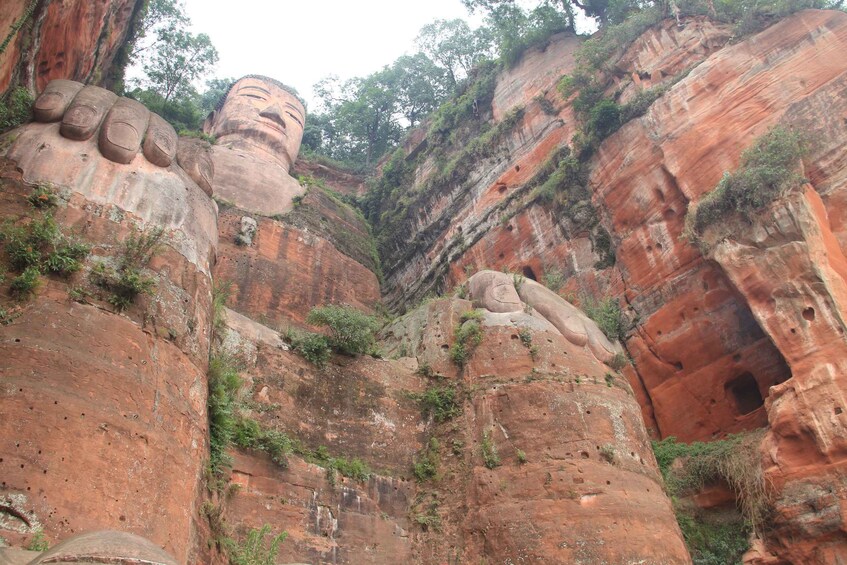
column 274, row 112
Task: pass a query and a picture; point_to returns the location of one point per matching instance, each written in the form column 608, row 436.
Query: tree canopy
column 173, row 60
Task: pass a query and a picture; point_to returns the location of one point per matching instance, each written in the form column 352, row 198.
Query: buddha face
column 263, row 116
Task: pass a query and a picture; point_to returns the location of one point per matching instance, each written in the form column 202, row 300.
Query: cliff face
column 717, row 344
column 104, row 407
column 543, row 453
column 75, row 40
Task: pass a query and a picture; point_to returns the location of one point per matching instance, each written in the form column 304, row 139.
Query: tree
column 421, row 86
column 604, row 11
column 216, row 88
column 360, row 121
column 179, row 59
column 501, row 10
column 183, row 113
column 156, row 14
column 453, row 46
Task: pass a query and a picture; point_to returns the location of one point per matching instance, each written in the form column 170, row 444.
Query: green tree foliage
column 254, row 550
column 610, row 12
column 421, row 86
column 350, row 331
column 361, row 115
column 156, row 14
column 454, row 47
column 515, row 30
column 179, row 59
column 174, row 60
column 363, row 118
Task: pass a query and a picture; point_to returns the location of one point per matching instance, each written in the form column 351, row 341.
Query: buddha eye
column 295, row 118
column 254, row 96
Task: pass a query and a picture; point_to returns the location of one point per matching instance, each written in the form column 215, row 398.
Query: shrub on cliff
column 425, row 465
column 224, row 383
column 350, row 332
column 467, row 336
column 15, row 109
column 607, row 314
column 687, row 468
column 250, row 434
column 254, row 550
column 313, row 347
column 127, row 282
column 39, row 247
column 768, row 169
column 440, row 402
column 735, row 460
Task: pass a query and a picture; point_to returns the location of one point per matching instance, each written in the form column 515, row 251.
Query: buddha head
column 260, row 114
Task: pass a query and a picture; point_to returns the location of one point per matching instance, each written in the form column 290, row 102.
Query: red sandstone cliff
column 706, row 343
column 70, row 39
column 749, row 334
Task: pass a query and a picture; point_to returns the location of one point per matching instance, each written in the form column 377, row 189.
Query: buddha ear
column 210, row 119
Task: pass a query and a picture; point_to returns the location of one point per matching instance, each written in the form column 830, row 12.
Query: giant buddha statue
column 258, row 125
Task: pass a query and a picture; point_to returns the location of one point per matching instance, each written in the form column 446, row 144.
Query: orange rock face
column 804, row 450
column 550, row 460
column 348, row 522
column 75, row 40
column 547, row 456
column 287, row 271
column 97, row 404
column 712, row 339
column 355, row 408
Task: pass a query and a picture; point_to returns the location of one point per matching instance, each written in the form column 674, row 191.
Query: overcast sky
column 301, row 41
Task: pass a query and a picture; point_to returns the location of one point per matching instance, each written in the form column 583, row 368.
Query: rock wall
column 574, row 480
column 97, row 402
column 643, row 179
column 548, row 458
column 67, row 39
column 739, row 303
column 355, row 408
column 285, row 270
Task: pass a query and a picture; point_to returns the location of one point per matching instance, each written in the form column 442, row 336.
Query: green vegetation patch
column 441, row 403
column 467, row 337
column 37, row 247
column 735, row 461
column 15, row 109
column 254, row 549
column 351, row 332
column 224, row 384
column 713, row 540
column 128, row 281
column 608, row 316
column 425, row 464
column 489, row 451
column 768, row 169
column 313, row 347
column 230, row 426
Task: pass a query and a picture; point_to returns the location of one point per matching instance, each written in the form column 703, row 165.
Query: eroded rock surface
column 549, row 461
column 76, row 40
column 97, row 403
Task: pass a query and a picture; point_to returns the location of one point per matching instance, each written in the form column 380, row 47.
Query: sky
column 300, row 42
